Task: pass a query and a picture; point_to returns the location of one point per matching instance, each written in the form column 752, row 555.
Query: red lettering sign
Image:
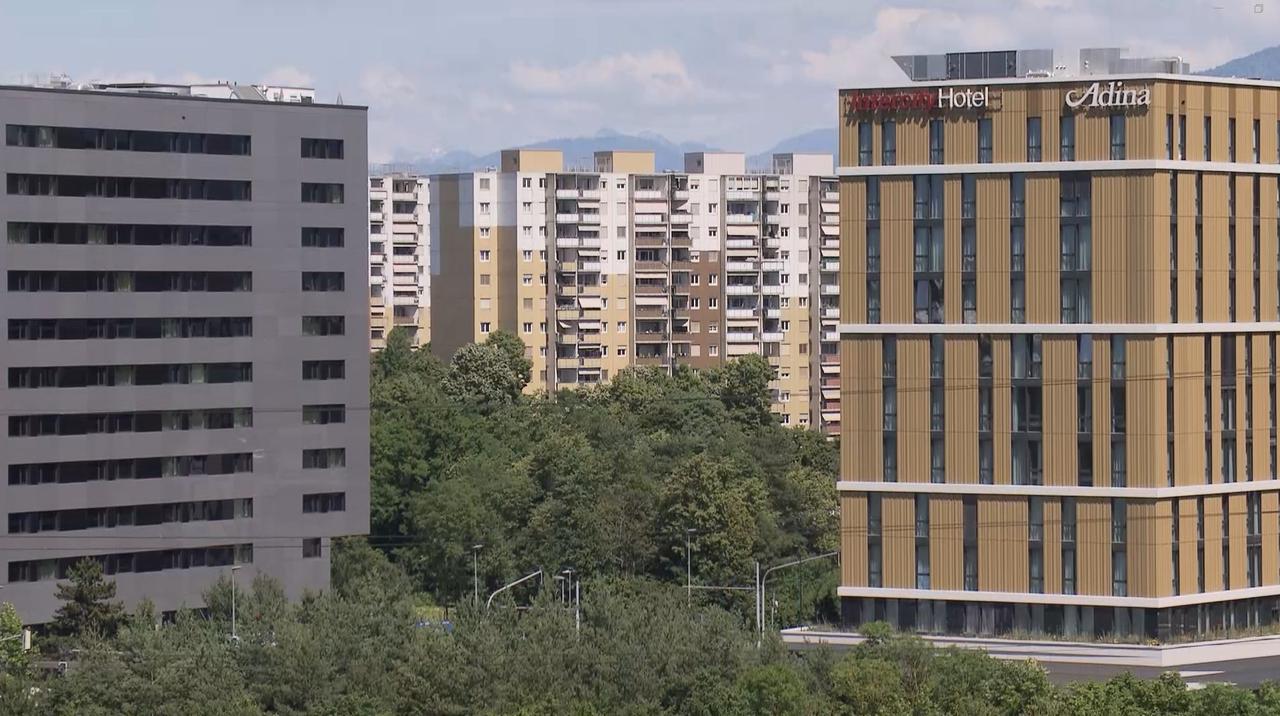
column 890, row 101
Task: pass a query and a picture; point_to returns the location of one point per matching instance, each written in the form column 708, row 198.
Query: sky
column 480, row 75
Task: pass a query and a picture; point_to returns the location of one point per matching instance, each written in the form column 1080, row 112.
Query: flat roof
column 1069, row 79
column 167, row 96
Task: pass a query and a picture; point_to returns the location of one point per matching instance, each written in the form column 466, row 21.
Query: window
column 526, row 279
column 130, row 281
column 129, row 187
column 313, row 148
column 1067, row 138
column 1034, row 147
column 324, row 414
column 319, row 503
column 322, row 281
column 326, row 237
column 323, row 370
column 324, row 458
column 484, row 255
column 1208, row 138
column 128, row 140
column 142, row 468
column 526, row 327
column 324, row 325
column 935, row 141
column 984, row 140
column 314, row 193
column 311, row 548
column 1117, row 136
column 1231, row 139
column 875, row 568
column 864, row 143
column 484, row 326
column 888, row 142
column 21, row 232
column 1168, row 136
column 144, row 421
column 1182, row 136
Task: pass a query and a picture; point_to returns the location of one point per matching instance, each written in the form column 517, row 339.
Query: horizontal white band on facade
column 1083, row 600
column 998, row 82
column 968, row 329
column 1133, row 493
column 1099, row 165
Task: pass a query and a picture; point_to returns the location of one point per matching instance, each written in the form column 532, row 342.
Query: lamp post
column 763, row 583
column 234, row 636
column 688, row 564
column 475, row 573
column 505, row 587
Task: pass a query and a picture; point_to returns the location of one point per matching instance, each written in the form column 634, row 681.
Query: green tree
column 482, row 374
column 513, row 351
column 742, row 385
column 13, row 659
column 88, row 603
column 726, row 505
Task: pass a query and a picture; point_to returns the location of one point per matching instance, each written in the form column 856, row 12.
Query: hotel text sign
column 921, row 100
column 1108, row 94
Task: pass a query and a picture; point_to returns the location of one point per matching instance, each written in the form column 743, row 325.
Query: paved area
column 1247, row 662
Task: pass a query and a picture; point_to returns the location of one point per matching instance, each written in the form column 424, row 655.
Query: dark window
column 864, row 143
column 130, row 140
column 1067, row 138
column 313, row 148
column 129, row 516
column 323, row 325
column 936, row 139
column 324, row 502
column 44, row 329
column 80, row 376
column 323, row 370
column 39, row 570
column 129, row 187
column 141, row 468
column 322, row 281
column 888, row 142
column 324, row 458
column 1034, row 145
column 311, row 548
column 326, row 237
column 324, row 414
column 984, row 140
column 316, row 193
column 1168, row 136
column 1208, row 138
column 130, row 281
column 128, row 234
column 145, row 421
column 1117, row 136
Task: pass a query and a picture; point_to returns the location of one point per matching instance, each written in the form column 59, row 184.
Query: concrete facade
column 164, row 524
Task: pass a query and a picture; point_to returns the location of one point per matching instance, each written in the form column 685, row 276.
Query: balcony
column 830, row 312
column 773, row 242
column 404, row 218
column 773, row 219
column 830, row 264
column 650, row 219
column 741, row 337
column 592, row 217
column 566, row 218
column 772, row 195
column 741, row 313
column 589, row 242
column 742, row 194
column 748, row 266
column 567, row 243
column 771, row 336
column 740, row 243
column 831, row 336
column 589, row 266
column 830, row 290
column 772, row 289
column 773, row 313
column 649, row 194
column 831, row 196
column 681, row 218
column 749, row 289
column 567, row 193
column 650, row 289
column 740, row 219
column 771, row 265
column 681, row 194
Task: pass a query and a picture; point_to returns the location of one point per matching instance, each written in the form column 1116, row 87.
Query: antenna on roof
column 339, row 100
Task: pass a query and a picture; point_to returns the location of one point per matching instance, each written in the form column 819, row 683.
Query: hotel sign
column 947, row 98
column 1107, row 95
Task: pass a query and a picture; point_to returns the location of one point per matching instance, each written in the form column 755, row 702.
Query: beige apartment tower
column 1060, row 307
column 399, row 279
column 616, row 264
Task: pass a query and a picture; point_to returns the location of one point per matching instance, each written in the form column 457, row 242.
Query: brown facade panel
column 897, row 250
column 1216, row 249
column 1267, row 268
column 1102, row 432
column 898, row 513
column 1188, row 410
column 1260, row 399
column 861, row 409
column 1213, row 544
column 1147, row 552
column 1061, row 429
column 993, row 248
column 1188, row 546
column 1093, row 546
column 1270, row 545
column 946, row 542
column 1215, row 409
column 1003, row 555
column 853, row 250
column 1052, row 546
column 1186, row 248
column 913, row 408
column 1236, row 539
column 1145, row 414
column 1001, row 411
column 853, row 540
column 961, row 369
column 1044, row 249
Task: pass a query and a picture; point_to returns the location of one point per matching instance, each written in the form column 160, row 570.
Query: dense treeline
column 360, row 650
column 605, row 480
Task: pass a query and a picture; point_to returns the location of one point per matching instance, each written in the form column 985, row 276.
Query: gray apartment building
column 185, row 347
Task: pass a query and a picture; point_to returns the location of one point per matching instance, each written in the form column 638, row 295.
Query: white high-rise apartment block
column 399, row 257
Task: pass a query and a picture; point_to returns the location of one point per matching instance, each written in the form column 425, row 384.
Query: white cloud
column 388, row 86
column 287, row 75
column 660, row 76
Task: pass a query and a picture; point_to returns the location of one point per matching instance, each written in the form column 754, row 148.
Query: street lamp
column 475, row 573
column 234, row 636
column 688, row 564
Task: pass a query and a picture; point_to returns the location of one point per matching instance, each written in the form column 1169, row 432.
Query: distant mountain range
column 1263, row 65
column 579, row 151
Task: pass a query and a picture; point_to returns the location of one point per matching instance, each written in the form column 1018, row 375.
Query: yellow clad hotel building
column 1059, row 307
